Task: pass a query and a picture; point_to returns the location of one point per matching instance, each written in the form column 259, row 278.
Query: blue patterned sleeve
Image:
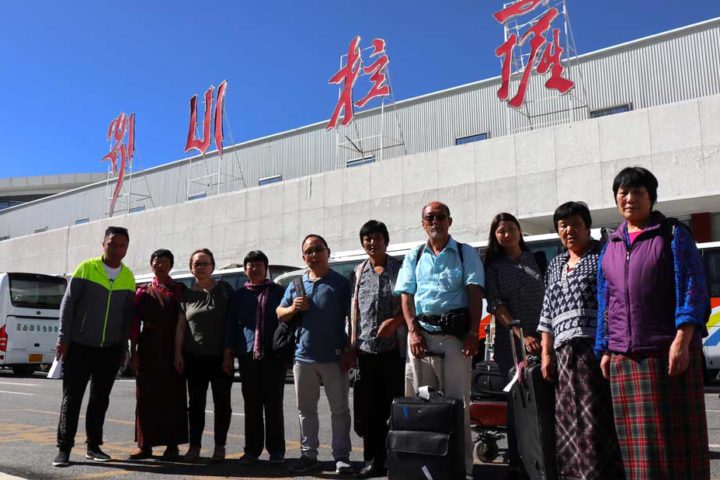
column 601, row 335
column 691, row 294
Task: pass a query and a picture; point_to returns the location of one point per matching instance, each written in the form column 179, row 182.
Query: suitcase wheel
column 486, row 451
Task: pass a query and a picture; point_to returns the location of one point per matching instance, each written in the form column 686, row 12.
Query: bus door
column 30, row 313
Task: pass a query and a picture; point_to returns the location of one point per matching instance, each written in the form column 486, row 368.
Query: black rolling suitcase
column 487, row 381
column 426, row 439
column 533, row 403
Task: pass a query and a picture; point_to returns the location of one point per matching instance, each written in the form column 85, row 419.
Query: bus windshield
column 31, row 290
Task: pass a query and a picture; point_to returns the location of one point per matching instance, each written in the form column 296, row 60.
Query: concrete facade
column 528, row 174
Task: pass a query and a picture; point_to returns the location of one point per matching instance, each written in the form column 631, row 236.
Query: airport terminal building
column 653, row 102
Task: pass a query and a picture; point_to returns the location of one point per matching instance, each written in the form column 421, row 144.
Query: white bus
column 549, row 244
column 234, row 274
column 29, row 319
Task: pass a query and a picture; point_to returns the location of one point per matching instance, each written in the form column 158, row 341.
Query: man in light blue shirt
column 442, row 290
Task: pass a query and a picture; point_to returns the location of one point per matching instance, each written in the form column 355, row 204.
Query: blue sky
column 69, row 67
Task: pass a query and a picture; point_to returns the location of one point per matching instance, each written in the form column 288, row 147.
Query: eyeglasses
column 201, row 264
column 431, row 217
column 311, row 250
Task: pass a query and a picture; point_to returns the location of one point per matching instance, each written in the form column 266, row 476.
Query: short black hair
column 310, row 235
column 636, row 177
column 570, row 209
column 256, row 256
column 163, row 253
column 374, row 226
column 117, row 231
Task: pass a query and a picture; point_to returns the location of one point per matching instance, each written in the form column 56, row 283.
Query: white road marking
column 713, row 411
column 17, row 393
column 20, row 384
column 235, row 414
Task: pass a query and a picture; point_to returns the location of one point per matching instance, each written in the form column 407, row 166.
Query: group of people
column 617, row 326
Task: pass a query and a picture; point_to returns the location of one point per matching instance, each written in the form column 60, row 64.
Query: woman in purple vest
column 652, row 307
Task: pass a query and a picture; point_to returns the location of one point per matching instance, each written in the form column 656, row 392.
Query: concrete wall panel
column 456, row 166
column 674, row 127
column 577, row 144
column 583, row 183
column 535, row 151
column 624, row 136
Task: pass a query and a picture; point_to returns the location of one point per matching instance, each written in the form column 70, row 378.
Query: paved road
column 28, row 419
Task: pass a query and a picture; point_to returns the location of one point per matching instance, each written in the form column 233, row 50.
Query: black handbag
column 285, row 336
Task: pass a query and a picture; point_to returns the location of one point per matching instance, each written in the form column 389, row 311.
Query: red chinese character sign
column 349, row 73
column 203, row 143
column 121, row 135
column 543, row 56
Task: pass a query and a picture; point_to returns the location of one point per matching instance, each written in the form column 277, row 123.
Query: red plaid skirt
column 660, row 420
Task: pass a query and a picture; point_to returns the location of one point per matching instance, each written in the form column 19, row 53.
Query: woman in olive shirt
column 199, row 352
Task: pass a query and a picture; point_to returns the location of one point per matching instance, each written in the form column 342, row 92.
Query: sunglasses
column 440, row 217
column 312, row 250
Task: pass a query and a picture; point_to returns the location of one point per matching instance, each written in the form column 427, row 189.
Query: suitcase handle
column 513, row 346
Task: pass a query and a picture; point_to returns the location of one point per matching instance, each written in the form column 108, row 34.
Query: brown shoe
column 171, row 453
column 140, row 453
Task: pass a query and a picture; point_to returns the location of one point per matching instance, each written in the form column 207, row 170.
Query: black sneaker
column 94, row 453
column 62, row 459
column 303, row 464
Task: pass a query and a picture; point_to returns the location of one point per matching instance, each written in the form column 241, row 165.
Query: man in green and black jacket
column 95, row 317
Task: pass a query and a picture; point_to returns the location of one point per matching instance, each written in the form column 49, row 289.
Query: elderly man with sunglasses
column 321, row 354
column 442, row 291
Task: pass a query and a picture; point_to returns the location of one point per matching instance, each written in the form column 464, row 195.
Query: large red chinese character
column 518, row 8
column 549, row 61
column 538, row 40
column 116, row 133
column 505, row 51
column 202, row 144
column 347, row 75
column 377, row 73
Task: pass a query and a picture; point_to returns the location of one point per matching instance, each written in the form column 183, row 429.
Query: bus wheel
column 23, row 370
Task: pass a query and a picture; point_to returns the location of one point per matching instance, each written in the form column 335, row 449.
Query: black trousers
column 200, row 372
column 263, row 385
column 381, row 379
column 99, row 366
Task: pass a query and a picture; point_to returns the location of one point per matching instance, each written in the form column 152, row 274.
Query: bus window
column 345, row 269
column 277, row 270
column 235, row 279
column 30, row 290
column 550, row 248
column 711, row 258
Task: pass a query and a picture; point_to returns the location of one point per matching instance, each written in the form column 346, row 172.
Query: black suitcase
column 533, row 402
column 426, row 438
column 487, row 381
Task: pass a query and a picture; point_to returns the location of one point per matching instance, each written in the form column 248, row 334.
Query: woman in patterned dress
column 653, row 305
column 585, row 439
column 515, row 289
